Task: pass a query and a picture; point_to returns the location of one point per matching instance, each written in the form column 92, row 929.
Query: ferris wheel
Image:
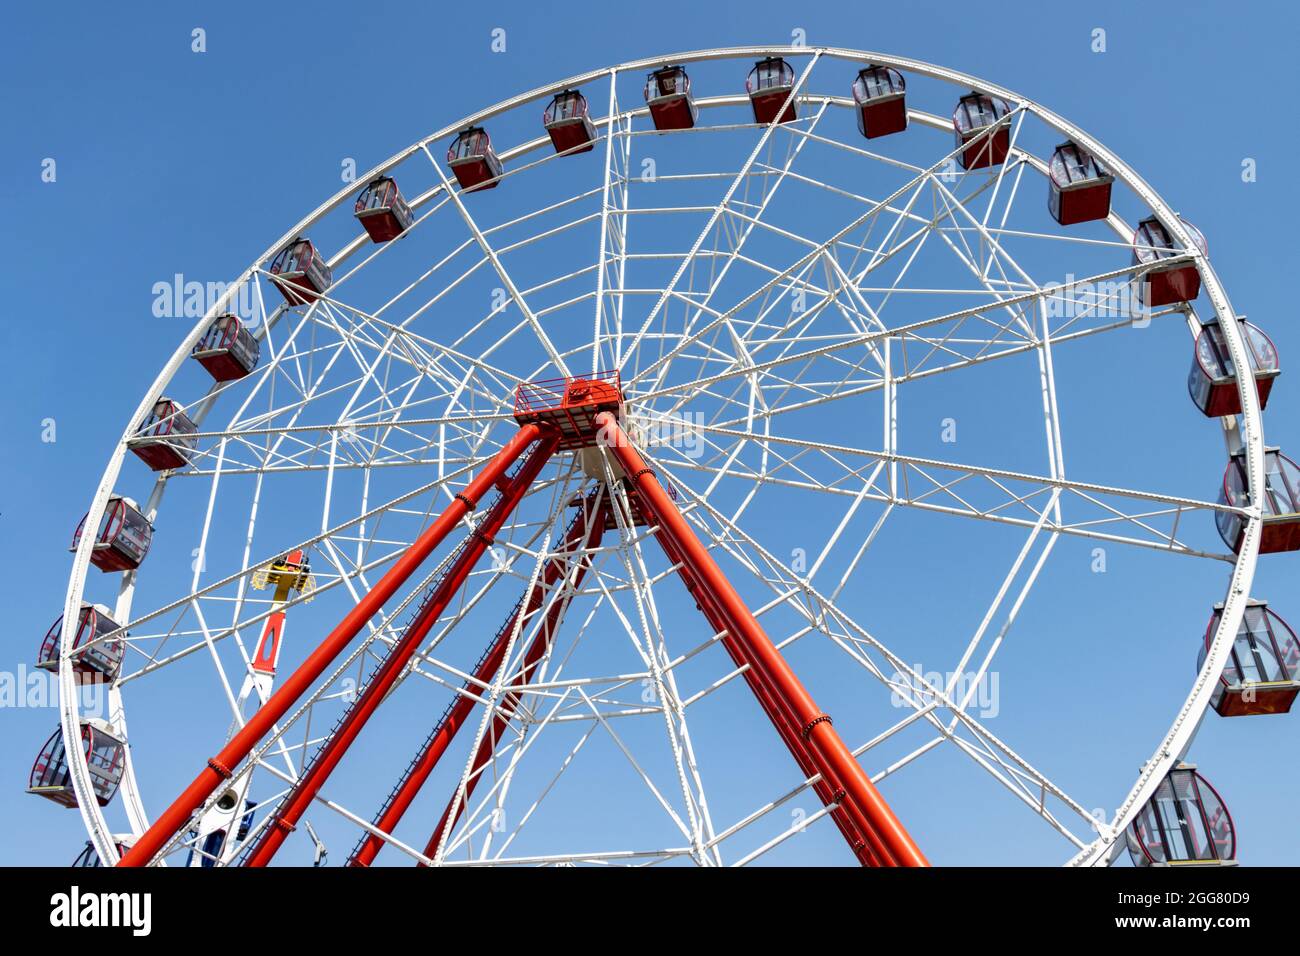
column 529, row 501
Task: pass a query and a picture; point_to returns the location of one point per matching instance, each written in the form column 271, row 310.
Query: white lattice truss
column 733, row 339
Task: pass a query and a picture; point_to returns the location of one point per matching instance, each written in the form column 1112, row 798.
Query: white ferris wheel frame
column 1249, row 438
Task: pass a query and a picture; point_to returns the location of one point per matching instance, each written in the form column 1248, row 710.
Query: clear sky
column 174, row 162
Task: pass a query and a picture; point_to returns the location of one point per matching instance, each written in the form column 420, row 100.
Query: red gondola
column 123, row 538
column 105, row 756
column 880, row 95
column 227, row 349
column 163, row 440
column 300, row 272
column 1184, row 824
column 1078, row 186
column 382, row 210
column 668, row 96
column 569, row 404
column 1165, row 285
column 1261, row 675
column 1212, row 381
column 568, row 124
column 471, row 158
column 980, row 124
column 769, row 85
column 1279, row 502
column 101, row 661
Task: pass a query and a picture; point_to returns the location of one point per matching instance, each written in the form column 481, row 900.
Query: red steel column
column 584, row 533
column 833, row 758
column 509, row 701
column 827, row 790
column 221, row 767
column 295, row 804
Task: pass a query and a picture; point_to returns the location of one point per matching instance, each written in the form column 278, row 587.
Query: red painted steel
column 569, row 404
column 890, row 841
column 584, row 532
column 789, row 735
column 268, row 647
column 220, row 767
column 383, row 680
column 510, row 700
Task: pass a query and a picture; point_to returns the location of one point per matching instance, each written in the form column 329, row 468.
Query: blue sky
column 171, row 162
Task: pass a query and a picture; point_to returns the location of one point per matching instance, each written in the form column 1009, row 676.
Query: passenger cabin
column 105, row 756
column 1212, row 381
column 165, row 438
column 570, row 405
column 983, row 134
column 1184, row 824
column 668, row 97
column 94, row 660
column 300, row 272
column 382, row 211
column 471, row 158
column 769, row 85
column 1078, row 187
column 123, row 537
column 228, row 350
column 1279, row 503
column 880, row 100
column 1261, row 676
column 291, row 571
column 1169, row 284
column 568, row 124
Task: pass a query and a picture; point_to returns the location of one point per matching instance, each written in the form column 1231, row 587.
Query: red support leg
column 509, row 701
column 385, row 677
column 826, row 790
column 221, row 767
column 583, row 533
column 890, row 842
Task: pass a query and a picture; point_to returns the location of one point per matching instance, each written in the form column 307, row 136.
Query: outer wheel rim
column 1167, row 753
